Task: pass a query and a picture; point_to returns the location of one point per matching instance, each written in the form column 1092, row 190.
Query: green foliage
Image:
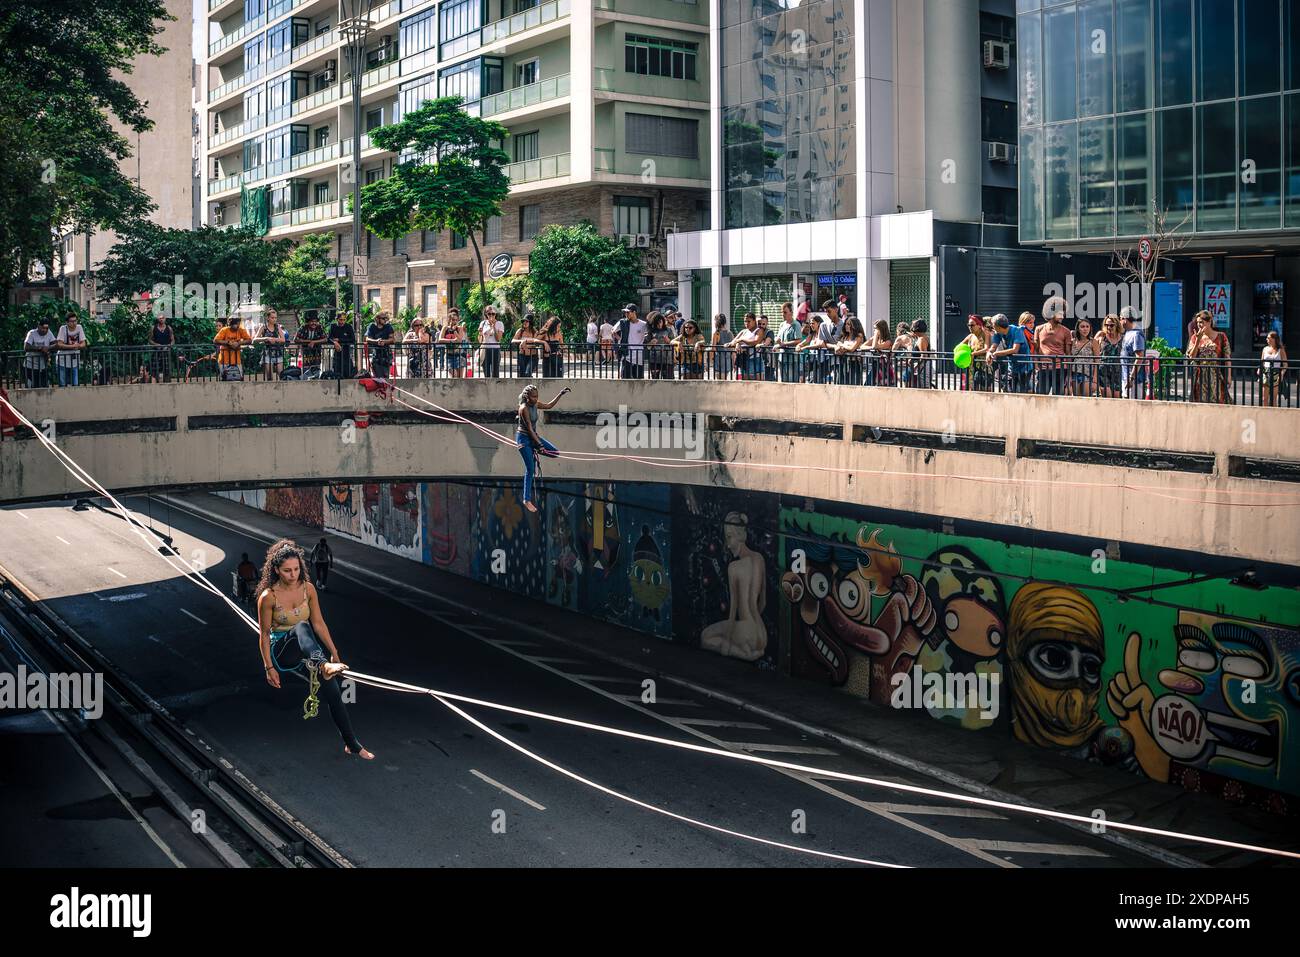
column 154, row 255
column 62, row 89
column 1162, row 383
column 578, row 274
column 457, row 180
column 511, row 295
column 402, row 321
column 299, row 282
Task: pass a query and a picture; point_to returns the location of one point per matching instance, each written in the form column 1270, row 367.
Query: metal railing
column 521, row 96
column 544, row 167
column 536, row 16
column 1236, row 381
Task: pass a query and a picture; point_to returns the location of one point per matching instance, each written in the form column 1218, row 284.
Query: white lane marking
column 937, row 810
column 551, row 660
column 501, row 787
column 133, row 596
column 21, row 515
column 115, row 571
column 64, row 540
column 715, row 723
column 194, row 616
column 476, row 629
column 636, row 698
column 1025, row 847
column 780, row 748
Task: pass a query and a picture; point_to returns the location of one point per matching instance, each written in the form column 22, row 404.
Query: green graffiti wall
column 1061, row 644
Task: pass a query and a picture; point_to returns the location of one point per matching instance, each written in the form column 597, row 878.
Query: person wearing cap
column 343, row 340
column 416, row 344
column 1132, row 354
column 1010, row 352
column 490, row 332
column 631, row 335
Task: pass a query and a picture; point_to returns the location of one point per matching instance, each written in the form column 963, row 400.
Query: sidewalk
column 991, row 765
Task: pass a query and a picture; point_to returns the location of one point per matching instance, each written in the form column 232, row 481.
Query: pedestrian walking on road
column 322, row 559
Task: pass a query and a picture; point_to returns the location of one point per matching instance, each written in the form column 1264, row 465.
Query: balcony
column 667, row 168
column 527, row 20
column 555, row 88
column 608, row 80
column 306, row 215
column 660, row 9
column 544, row 167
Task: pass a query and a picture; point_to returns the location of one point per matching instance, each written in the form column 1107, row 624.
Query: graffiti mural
column 725, row 542
column 342, row 511
column 448, row 511
column 297, row 504
column 390, row 518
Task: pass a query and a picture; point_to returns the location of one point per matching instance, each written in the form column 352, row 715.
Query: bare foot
column 530, row 506
column 330, row 668
column 363, row 753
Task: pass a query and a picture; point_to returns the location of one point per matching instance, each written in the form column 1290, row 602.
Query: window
column 416, row 34
column 399, row 246
column 1097, row 177
column 1175, row 31
column 702, row 220
column 999, row 206
column 410, row 96
column 322, row 137
column 428, row 240
column 1096, row 80
column 1133, row 58
column 492, row 231
column 631, row 214
column 456, row 19
column 373, row 176
column 457, row 240
column 375, row 295
column 399, row 298
column 322, row 191
column 1062, row 178
column 663, row 135
column 1292, row 178
column 1216, row 74
column 1174, row 155
column 322, row 26
column 374, row 119
column 655, row 56
column 1216, row 199
column 998, row 120
column 526, row 146
column 1029, row 54
column 1135, row 147
column 530, row 219
column 1061, row 50
column 528, row 72
column 1261, row 141
column 429, row 296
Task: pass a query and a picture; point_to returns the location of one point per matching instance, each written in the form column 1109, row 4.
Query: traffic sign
column 360, row 270
column 1146, row 249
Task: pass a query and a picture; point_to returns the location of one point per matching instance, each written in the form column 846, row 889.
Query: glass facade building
column 787, row 93
column 1130, row 106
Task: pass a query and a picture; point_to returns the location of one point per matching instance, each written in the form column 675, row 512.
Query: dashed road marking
column 938, row 810
column 674, row 702
column 609, row 679
column 501, row 787
column 1026, row 847
column 717, row 723
column 64, row 540
column 194, row 616
column 779, row 748
column 115, row 571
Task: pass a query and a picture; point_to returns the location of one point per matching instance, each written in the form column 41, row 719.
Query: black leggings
column 300, row 645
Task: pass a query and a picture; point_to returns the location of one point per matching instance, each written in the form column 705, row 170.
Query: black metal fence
column 1178, row 379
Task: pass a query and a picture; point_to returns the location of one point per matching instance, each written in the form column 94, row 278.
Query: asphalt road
column 442, row 792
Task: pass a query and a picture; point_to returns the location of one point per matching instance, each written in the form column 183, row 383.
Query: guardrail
column 1226, row 381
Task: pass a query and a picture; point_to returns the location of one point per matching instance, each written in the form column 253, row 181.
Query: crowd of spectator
column 829, row 346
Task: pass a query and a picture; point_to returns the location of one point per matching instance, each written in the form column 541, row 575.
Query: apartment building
column 864, row 147
column 606, row 103
column 160, row 162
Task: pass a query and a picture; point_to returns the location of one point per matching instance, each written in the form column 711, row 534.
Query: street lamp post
column 354, row 27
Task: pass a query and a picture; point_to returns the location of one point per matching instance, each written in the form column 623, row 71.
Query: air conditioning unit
column 1001, row 153
column 628, row 239
column 331, row 70
column 997, row 55
column 385, row 50
column 642, row 240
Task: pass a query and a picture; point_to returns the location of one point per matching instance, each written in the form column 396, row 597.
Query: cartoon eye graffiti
column 610, row 520
column 819, row 585
column 657, row 578
column 1061, row 661
column 1244, row 666
column 1293, row 687
column 850, row 594
column 1196, row 660
column 995, row 638
column 951, row 621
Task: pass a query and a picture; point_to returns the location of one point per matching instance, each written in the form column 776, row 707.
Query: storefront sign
column 1169, row 311
column 1216, row 299
column 1268, row 312
column 500, row 265
column 838, row 279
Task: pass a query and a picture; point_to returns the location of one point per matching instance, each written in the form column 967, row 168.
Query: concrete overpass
column 1114, row 470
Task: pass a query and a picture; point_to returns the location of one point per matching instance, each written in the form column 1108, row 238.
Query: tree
column 577, row 273
column 1165, row 241
column 455, row 181
column 509, row 294
column 226, row 259
column 61, row 65
column 299, row 281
